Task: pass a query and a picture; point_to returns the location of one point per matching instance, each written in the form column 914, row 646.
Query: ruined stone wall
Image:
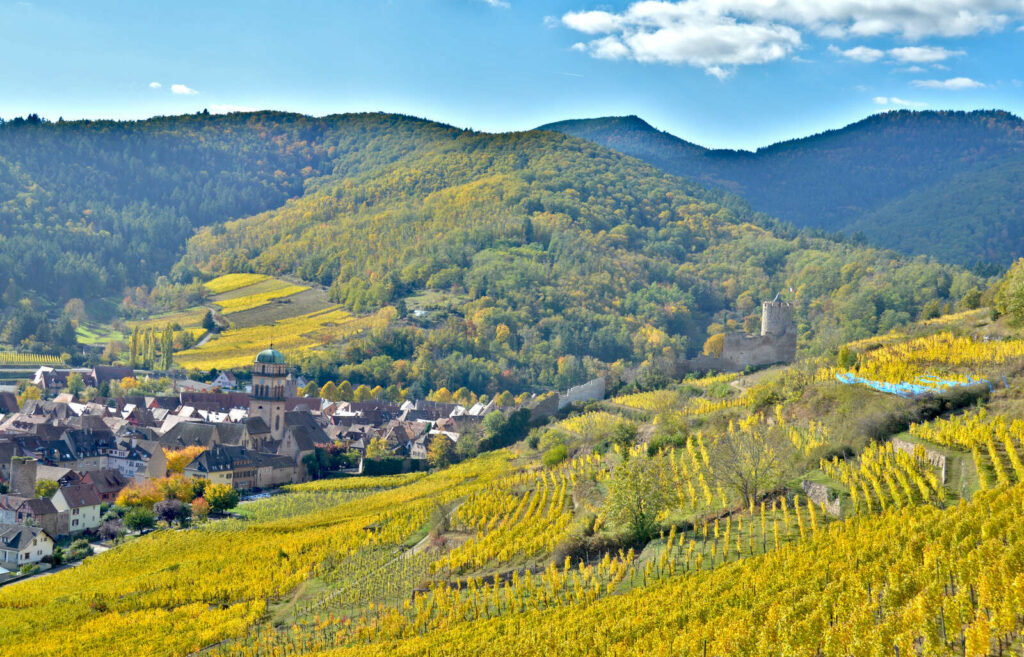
column 934, row 458
column 822, row 494
column 745, row 350
column 593, row 390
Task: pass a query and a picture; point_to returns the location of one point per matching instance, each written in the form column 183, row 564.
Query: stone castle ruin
column 775, row 344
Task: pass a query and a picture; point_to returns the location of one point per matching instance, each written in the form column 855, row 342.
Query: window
column 74, row 523
column 74, row 512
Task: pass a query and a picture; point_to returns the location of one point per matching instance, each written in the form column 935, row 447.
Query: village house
column 225, row 464
column 80, row 505
column 40, row 512
column 21, row 545
column 108, row 483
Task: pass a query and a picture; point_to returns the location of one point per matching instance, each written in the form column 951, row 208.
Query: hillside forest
column 509, row 261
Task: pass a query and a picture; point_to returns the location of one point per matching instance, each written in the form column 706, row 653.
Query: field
column 235, row 347
column 94, row 333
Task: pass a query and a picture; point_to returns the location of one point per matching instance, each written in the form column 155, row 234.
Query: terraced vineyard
column 234, row 348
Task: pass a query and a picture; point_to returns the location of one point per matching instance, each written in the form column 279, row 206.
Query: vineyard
column 230, row 282
column 235, row 347
column 508, row 553
column 24, row 359
column 249, row 301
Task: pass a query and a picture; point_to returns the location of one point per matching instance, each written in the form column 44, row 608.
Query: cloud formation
column 498, row 3
column 952, row 84
column 718, row 35
column 893, row 101
column 155, row 85
column 860, row 53
column 923, row 54
column 182, row 90
column 904, row 55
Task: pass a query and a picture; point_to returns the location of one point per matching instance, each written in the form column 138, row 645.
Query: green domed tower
column 269, row 375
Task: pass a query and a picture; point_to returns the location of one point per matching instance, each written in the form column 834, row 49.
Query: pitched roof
column 38, row 506
column 256, row 425
column 103, row 373
column 106, row 482
column 80, row 495
column 18, row 537
column 220, row 458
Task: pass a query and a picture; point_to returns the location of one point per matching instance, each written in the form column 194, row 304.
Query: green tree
column 636, row 496
column 846, row 358
column 139, row 518
column 1010, row 293
column 310, row 390
column 624, row 435
column 167, row 348
column 555, row 455
column 75, row 383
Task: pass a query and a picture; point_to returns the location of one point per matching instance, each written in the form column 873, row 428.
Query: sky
column 721, row 73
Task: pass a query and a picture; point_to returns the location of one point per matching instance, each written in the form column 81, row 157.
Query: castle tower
column 23, row 476
column 269, row 374
column 776, row 318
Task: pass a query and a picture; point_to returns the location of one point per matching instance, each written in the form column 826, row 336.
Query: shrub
column 555, row 455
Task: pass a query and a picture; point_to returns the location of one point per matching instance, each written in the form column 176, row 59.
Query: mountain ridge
column 856, row 178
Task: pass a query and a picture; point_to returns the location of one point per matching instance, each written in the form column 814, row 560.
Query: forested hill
column 88, row 207
column 540, row 258
column 948, row 184
column 548, row 246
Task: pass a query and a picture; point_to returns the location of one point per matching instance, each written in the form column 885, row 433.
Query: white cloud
column 498, row 3
column 883, row 100
column 860, row 53
column 952, row 84
column 923, row 54
column 670, row 33
column 723, row 34
column 182, row 90
column 224, row 109
column 155, row 85
column 911, row 69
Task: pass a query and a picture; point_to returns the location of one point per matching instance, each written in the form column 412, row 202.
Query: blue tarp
column 921, row 386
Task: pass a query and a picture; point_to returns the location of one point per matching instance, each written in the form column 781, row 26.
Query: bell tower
column 269, row 375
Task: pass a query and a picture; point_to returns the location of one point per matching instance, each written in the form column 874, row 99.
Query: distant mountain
column 946, row 184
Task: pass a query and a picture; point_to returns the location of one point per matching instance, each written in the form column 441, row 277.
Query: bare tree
column 751, row 462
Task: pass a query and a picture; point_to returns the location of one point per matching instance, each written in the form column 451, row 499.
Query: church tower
column 269, row 375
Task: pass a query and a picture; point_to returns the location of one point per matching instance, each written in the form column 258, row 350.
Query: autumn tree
column 221, row 497
column 750, row 461
column 177, row 460
column 46, row 488
column 441, row 452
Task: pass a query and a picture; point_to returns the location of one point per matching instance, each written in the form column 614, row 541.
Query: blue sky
column 722, row 73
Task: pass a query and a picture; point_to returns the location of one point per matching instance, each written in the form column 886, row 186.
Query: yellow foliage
column 230, row 282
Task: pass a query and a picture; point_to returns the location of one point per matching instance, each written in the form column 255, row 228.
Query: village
column 64, row 464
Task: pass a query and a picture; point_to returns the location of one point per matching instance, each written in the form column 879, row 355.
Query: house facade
column 21, row 545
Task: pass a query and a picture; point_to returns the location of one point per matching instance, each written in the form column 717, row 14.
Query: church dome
column 270, row 356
